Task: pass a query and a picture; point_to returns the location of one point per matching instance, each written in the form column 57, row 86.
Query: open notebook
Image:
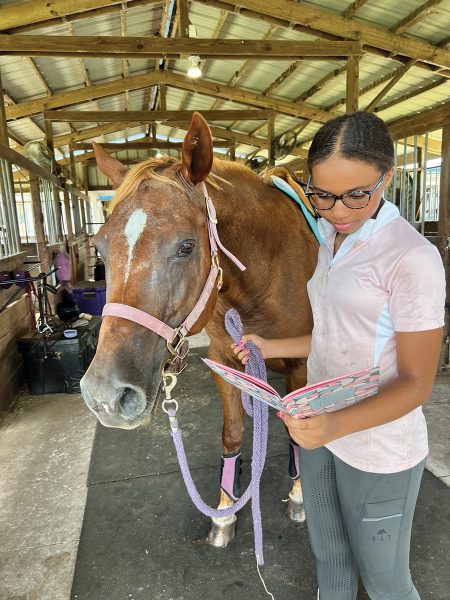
column 325, row 396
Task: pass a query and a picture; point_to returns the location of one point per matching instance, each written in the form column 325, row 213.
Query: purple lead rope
column 259, row 411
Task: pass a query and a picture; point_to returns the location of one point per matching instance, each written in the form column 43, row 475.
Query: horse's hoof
column 296, row 511
column 222, row 531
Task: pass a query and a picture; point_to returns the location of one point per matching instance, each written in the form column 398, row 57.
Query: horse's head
column 156, row 252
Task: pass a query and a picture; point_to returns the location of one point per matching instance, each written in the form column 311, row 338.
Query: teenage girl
column 377, row 295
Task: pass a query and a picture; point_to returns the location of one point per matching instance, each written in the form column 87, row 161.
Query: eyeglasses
column 355, row 199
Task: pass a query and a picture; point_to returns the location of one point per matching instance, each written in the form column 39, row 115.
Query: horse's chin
column 119, row 422
column 131, row 411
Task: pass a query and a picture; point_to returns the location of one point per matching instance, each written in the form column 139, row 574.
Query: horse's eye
column 186, row 248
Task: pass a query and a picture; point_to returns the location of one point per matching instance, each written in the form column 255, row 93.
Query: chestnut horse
column 157, row 255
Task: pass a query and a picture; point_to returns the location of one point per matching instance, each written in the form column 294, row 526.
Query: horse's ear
column 109, row 166
column 197, row 152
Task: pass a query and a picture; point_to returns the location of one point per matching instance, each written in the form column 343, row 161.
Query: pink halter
column 175, row 336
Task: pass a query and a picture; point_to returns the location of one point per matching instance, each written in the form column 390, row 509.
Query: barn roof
column 93, row 55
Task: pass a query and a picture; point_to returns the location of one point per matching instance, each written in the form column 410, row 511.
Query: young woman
column 377, row 295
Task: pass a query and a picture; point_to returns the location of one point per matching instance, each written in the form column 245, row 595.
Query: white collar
column 387, row 213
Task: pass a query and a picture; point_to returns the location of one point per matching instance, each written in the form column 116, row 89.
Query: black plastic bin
column 56, row 364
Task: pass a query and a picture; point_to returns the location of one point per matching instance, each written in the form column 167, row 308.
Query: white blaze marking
column 133, row 230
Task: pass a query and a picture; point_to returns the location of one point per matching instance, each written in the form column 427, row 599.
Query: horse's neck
column 267, row 232
column 260, row 217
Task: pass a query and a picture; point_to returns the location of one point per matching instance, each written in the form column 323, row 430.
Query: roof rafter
column 209, row 88
column 329, row 22
column 417, row 15
column 395, row 79
column 353, row 8
column 101, row 90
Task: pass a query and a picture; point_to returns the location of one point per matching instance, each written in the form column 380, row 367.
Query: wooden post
column 56, row 200
column 84, row 213
column 270, row 137
column 41, row 242
column 183, row 18
column 73, row 175
column 68, row 216
column 7, row 185
column 3, row 128
column 352, row 84
column 444, row 198
column 162, row 96
column 233, row 151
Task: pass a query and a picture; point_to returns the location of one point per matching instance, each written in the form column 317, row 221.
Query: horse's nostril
column 131, row 403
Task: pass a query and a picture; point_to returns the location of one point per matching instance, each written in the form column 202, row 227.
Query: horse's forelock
column 148, row 169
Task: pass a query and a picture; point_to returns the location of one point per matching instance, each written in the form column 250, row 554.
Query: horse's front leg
column 223, row 528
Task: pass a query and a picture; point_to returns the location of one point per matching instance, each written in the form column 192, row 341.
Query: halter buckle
column 175, row 346
column 215, row 262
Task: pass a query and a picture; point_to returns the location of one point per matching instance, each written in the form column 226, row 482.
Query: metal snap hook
column 169, row 387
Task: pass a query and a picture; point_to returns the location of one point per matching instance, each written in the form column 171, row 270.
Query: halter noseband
column 175, row 337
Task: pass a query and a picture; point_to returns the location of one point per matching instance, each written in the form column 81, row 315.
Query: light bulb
column 194, row 70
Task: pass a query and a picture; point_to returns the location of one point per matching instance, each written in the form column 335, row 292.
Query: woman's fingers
column 241, row 352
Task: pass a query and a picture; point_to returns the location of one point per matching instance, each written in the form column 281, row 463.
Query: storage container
column 90, row 296
column 54, row 363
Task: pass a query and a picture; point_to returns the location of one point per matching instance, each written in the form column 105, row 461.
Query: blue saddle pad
column 284, row 186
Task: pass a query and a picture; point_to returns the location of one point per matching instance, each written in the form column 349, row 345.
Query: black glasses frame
column 342, row 197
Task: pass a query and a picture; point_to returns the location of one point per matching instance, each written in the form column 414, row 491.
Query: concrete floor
column 45, row 448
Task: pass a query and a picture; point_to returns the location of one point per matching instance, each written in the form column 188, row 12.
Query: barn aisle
column 140, row 536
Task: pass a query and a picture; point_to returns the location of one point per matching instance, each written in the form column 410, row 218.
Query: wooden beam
column 95, row 132
column 38, row 218
column 433, row 146
column 152, row 116
column 417, row 15
column 353, row 8
column 146, row 47
column 320, row 84
column 428, row 120
column 162, row 97
column 183, row 18
column 399, row 74
column 444, row 201
column 412, row 94
column 102, row 90
column 34, row 11
column 329, row 22
column 296, row 109
column 246, row 67
column 281, row 78
column 270, row 138
column 26, row 26
column 352, row 89
column 138, row 145
column 3, row 128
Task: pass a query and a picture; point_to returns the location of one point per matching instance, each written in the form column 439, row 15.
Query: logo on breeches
column 381, row 536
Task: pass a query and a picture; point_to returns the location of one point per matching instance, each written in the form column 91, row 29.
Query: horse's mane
column 151, row 169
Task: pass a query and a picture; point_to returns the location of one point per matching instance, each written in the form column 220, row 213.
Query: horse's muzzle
column 121, row 407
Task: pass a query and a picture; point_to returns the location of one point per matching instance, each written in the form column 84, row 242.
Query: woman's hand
column 242, row 352
column 313, row 432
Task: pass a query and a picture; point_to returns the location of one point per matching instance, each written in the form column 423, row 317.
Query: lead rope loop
column 260, row 413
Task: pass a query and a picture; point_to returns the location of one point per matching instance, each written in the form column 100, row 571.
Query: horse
column 157, row 255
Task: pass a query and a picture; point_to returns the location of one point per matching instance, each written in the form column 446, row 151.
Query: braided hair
column 359, row 136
